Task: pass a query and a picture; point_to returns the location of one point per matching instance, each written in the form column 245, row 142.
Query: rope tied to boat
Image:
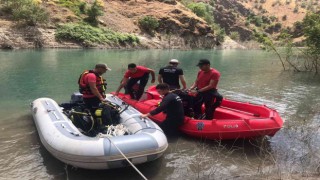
column 118, row 130
column 134, row 167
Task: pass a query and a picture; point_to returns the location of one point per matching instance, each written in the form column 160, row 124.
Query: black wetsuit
column 171, row 105
column 170, row 76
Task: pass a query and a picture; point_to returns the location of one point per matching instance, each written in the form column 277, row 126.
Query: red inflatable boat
column 232, row 119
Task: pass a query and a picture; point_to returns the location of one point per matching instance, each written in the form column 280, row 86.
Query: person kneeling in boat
column 171, row 105
column 92, row 86
column 132, row 76
column 206, row 90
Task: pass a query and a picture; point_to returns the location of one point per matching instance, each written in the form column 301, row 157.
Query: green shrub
column 25, row 11
column 76, row 6
column 198, row 8
column 284, row 18
column 93, row 12
column 82, row 7
column 234, row 35
column 88, row 35
column 219, row 32
column 311, row 29
column 296, row 9
column 149, row 23
column 220, row 35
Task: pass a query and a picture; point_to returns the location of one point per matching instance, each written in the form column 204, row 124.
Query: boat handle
column 147, row 123
column 55, row 115
column 73, row 133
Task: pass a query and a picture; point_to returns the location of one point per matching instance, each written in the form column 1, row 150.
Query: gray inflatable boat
column 144, row 142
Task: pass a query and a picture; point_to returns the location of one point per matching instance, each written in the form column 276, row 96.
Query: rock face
column 12, row 37
column 228, row 20
column 179, row 27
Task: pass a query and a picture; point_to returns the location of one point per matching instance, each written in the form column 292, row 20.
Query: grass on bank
column 89, row 36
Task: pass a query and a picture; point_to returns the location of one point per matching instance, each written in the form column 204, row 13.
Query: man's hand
column 193, row 92
column 144, row 116
column 103, row 100
column 153, row 80
column 116, row 93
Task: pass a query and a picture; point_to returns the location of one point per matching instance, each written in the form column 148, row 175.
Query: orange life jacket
column 84, row 88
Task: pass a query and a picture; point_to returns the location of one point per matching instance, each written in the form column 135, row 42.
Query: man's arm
column 210, row 86
column 122, row 84
column 160, row 78
column 163, row 105
column 183, row 81
column 153, row 75
column 194, row 85
column 95, row 91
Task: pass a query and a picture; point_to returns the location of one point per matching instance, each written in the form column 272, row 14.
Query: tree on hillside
column 94, row 11
column 311, row 29
column 286, row 41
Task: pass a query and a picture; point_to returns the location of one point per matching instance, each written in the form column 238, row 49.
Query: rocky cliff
column 179, row 27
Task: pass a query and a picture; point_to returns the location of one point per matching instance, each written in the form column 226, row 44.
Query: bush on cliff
column 93, row 12
column 89, row 36
column 149, row 23
column 25, row 11
column 198, row 8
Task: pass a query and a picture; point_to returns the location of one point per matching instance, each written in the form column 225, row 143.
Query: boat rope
column 149, row 128
column 134, row 167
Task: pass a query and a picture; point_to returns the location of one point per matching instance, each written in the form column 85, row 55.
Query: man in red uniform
column 206, row 89
column 93, row 87
column 132, row 76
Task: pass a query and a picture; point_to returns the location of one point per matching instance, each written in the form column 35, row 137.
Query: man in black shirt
column 171, row 75
column 171, row 104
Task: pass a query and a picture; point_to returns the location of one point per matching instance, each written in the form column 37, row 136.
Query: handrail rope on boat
column 149, row 128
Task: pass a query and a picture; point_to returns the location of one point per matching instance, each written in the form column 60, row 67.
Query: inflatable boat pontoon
column 144, row 142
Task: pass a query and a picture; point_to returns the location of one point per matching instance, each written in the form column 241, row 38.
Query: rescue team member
column 171, row 105
column 171, row 75
column 206, row 89
column 93, row 87
column 136, row 73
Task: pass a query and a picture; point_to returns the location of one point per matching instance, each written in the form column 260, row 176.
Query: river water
column 254, row 76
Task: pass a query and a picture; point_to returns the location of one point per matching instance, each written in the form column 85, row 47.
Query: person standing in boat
column 92, row 86
column 206, row 90
column 171, row 75
column 132, row 76
column 172, row 106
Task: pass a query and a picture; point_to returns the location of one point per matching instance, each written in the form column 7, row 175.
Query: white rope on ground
column 127, row 159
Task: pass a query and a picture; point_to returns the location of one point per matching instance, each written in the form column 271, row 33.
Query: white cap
column 105, row 66
column 174, row 61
